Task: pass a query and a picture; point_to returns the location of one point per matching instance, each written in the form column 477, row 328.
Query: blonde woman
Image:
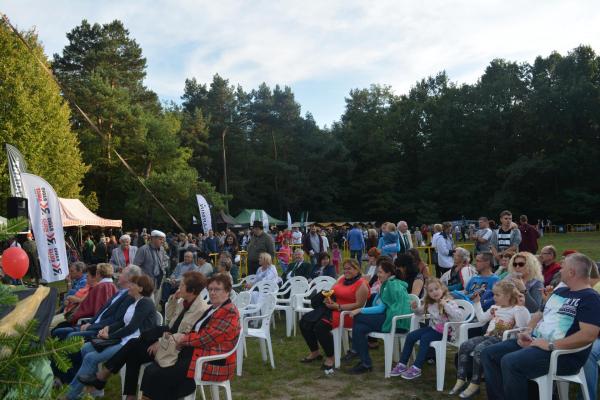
column 525, row 270
column 266, row 270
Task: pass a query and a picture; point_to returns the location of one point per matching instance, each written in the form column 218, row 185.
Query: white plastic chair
column 340, row 339
column 301, row 302
column 439, row 346
column 545, row 382
column 242, row 300
column 320, row 279
column 390, row 339
column 204, row 294
column 298, row 286
column 214, row 386
column 242, row 282
column 263, row 333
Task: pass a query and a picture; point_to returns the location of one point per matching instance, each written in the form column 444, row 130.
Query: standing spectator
column 483, row 236
column 570, row 320
column 34, row 271
column 260, row 242
column 325, row 241
column 101, row 251
column 150, row 257
column 336, row 257
column 356, row 242
column 419, row 237
column 284, row 254
column 296, row 236
column 507, row 236
column 88, row 249
column 211, row 243
column 550, row 267
column 124, row 254
column 313, row 244
column 405, row 238
column 373, row 238
column 444, row 248
column 231, row 246
column 529, row 236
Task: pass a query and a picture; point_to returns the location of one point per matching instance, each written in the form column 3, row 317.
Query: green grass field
column 293, row 380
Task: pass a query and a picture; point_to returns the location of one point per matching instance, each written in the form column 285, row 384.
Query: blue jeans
column 89, row 366
column 425, row 336
column 591, row 371
column 357, row 254
column 364, row 324
column 509, row 367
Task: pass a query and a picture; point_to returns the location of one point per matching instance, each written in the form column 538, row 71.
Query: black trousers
column 252, row 267
column 133, row 354
column 316, row 333
column 169, row 383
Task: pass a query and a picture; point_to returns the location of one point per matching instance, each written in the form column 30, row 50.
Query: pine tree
column 22, row 353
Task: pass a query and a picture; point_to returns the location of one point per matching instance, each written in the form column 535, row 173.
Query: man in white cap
column 152, row 256
column 124, row 254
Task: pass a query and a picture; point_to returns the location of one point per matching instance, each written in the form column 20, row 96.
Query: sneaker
column 398, row 369
column 411, row 373
column 349, row 356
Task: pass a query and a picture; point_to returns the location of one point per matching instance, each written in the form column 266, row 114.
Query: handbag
column 167, row 353
column 101, row 344
column 319, row 311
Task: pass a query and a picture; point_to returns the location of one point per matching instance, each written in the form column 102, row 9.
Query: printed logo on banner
column 48, row 229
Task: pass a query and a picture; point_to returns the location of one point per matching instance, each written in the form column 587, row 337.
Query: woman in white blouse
column 266, row 272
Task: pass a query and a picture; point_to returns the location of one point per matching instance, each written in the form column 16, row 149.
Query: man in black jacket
column 298, row 267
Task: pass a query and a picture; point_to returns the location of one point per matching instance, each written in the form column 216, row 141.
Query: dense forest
column 524, row 137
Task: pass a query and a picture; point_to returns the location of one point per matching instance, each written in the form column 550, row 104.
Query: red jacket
column 549, row 272
column 96, row 298
column 219, row 335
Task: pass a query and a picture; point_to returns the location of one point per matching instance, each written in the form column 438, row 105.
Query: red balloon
column 15, row 262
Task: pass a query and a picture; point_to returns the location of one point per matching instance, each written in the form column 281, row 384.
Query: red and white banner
column 46, row 224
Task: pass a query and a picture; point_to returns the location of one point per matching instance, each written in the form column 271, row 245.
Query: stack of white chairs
column 262, row 332
column 296, row 285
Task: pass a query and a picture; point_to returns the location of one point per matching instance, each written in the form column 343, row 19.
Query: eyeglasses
column 518, row 264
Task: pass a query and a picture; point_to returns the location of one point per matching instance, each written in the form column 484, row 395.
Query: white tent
column 75, row 213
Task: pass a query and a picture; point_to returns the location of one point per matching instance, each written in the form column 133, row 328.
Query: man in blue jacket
column 356, row 243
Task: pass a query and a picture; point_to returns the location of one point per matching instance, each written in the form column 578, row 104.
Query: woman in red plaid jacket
column 216, row 332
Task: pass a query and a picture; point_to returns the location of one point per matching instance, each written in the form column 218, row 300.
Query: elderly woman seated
column 139, row 317
column 215, row 332
column 184, row 309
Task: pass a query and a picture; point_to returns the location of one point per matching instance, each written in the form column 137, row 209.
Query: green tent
column 244, row 217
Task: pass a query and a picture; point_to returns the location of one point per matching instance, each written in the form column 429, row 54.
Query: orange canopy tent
column 75, row 213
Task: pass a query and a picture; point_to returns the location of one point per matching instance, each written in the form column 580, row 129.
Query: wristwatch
column 551, row 346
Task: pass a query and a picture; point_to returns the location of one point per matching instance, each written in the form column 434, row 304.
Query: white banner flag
column 252, row 218
column 204, row 214
column 44, row 218
column 265, row 220
column 289, row 221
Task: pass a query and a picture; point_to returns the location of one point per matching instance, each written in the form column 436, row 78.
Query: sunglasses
column 518, row 264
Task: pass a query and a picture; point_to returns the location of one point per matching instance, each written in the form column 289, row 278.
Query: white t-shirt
column 296, row 237
column 127, row 319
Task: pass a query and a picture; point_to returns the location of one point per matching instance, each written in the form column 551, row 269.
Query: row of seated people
column 560, row 317
column 124, row 332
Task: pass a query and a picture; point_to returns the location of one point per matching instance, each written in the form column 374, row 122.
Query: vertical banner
column 252, row 218
column 46, row 223
column 265, row 220
column 204, row 213
column 289, row 221
column 16, row 166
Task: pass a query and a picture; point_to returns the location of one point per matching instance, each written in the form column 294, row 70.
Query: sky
column 321, row 49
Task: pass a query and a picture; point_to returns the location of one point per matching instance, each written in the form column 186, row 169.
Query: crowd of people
column 509, row 283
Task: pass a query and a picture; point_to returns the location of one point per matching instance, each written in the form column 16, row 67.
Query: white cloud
column 288, row 42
